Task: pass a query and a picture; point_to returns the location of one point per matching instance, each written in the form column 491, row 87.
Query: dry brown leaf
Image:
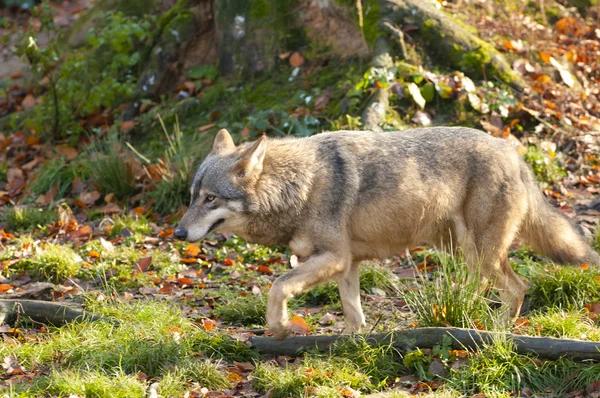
column 68, row 152
column 296, row 60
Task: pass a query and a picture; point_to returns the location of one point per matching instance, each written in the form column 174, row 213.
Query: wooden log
column 43, row 312
column 544, row 347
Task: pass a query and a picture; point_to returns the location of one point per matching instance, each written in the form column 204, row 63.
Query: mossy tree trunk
column 448, row 41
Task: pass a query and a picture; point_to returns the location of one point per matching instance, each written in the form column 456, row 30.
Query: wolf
column 339, row 198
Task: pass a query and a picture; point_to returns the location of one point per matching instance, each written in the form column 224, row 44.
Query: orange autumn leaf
column 263, row 269
column 94, row 254
column 4, row 287
column 584, row 267
column 185, row 281
column 567, row 25
column 545, row 57
column 234, row 377
column 189, row 260
column 229, row 262
column 296, row 60
column 67, row 151
column 138, row 211
column 166, row 233
column 209, row 324
column 192, row 250
column 32, row 140
column 299, row 326
column 522, row 322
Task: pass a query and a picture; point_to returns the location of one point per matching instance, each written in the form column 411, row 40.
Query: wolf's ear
column 223, row 143
column 251, row 161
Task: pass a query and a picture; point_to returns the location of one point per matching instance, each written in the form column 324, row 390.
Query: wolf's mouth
column 215, row 225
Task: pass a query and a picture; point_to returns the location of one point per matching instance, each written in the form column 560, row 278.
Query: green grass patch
column 58, row 172
column 152, row 337
column 96, row 384
column 569, row 288
column 451, row 298
column 563, row 324
column 135, row 224
column 241, row 308
column 201, row 371
column 25, row 219
column 313, row 377
column 53, row 262
column 381, row 362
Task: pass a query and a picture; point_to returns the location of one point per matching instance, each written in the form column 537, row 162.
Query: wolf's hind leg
column 349, row 286
column 319, row 269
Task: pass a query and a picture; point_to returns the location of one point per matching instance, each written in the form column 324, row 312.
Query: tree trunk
column 449, row 42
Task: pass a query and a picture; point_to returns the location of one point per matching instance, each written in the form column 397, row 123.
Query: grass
column 563, row 324
column 67, row 383
column 569, row 288
column 134, row 224
column 381, row 362
column 26, row 219
column 60, row 172
column 53, row 262
column 114, row 175
column 241, row 309
column 314, row 377
column 452, row 298
column 372, row 276
column 153, row 337
column 175, row 169
column 497, row 370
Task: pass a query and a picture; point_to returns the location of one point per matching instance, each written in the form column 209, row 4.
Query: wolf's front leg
column 349, row 287
column 316, row 270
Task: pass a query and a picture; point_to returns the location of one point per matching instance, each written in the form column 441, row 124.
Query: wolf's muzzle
column 180, row 233
column 215, row 225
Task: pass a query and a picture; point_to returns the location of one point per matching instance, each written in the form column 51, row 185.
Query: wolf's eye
column 210, row 198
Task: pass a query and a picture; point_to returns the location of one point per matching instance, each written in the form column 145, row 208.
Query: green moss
column 259, row 10
column 137, row 8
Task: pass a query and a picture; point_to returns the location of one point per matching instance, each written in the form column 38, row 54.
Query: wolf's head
column 220, row 188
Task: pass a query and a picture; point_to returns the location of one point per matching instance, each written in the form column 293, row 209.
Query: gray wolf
column 339, row 198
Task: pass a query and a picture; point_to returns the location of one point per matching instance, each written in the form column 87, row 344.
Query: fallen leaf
column 209, row 324
column 192, row 250
column 4, row 287
column 414, row 91
column 143, row 264
column 16, row 75
column 127, row 125
column 89, row 198
column 28, row 102
column 263, row 269
column 185, row 281
column 234, row 377
column 94, row 254
column 299, row 326
column 327, row 319
column 296, row 60
column 68, row 152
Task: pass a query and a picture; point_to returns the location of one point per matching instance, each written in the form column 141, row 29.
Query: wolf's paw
column 280, row 332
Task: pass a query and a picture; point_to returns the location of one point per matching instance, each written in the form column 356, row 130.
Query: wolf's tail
column 550, row 232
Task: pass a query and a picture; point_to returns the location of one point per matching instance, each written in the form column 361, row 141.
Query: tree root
column 544, row 347
column 43, row 312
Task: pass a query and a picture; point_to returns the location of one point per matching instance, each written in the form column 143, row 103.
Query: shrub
column 54, row 263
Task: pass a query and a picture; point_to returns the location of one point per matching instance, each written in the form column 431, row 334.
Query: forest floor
column 88, row 221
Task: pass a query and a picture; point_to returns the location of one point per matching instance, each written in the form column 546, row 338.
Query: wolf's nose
column 180, row 233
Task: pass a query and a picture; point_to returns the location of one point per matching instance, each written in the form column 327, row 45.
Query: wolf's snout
column 180, row 233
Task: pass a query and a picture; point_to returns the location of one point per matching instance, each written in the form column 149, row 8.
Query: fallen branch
column 43, row 312
column 545, row 347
